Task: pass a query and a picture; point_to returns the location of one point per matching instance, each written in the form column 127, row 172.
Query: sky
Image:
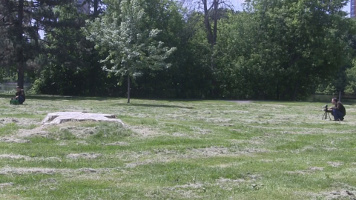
column 238, row 6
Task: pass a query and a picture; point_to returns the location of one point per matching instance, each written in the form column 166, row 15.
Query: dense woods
column 278, row 50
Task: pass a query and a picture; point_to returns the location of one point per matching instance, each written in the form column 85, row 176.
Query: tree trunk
column 215, row 18
column 19, row 45
column 209, row 32
column 277, row 91
column 295, row 91
column 96, row 6
column 128, row 88
column 211, row 11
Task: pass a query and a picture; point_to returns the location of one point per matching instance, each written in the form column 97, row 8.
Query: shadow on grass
column 350, row 102
column 56, row 97
column 81, row 98
column 151, row 105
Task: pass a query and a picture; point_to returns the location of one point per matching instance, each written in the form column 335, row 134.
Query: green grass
column 177, row 150
column 8, row 128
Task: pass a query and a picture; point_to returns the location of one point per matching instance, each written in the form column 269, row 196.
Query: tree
column 22, row 21
column 189, row 75
column 131, row 46
column 212, row 11
column 6, row 47
column 351, row 79
column 12, row 27
column 69, row 62
column 292, row 47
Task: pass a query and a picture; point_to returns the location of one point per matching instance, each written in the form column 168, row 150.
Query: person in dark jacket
column 338, row 111
column 19, row 96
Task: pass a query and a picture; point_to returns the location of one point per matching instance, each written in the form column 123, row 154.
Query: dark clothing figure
column 19, row 96
column 338, row 115
column 338, row 111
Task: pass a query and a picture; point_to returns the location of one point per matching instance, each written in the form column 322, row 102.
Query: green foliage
column 189, row 75
column 238, row 57
column 284, row 49
column 6, row 47
column 130, row 45
column 351, row 79
column 20, row 24
column 70, row 63
column 272, row 50
column 8, row 129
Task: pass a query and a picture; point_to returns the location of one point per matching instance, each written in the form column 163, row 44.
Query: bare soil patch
column 3, row 185
column 12, row 156
column 13, row 140
column 340, row 194
column 50, row 171
column 20, row 121
column 84, row 156
column 242, row 102
column 38, row 131
column 145, row 131
column 308, row 171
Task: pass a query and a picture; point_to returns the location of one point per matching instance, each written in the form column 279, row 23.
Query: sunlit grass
column 177, row 150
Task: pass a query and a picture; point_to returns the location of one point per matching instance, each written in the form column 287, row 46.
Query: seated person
column 338, row 111
column 19, row 96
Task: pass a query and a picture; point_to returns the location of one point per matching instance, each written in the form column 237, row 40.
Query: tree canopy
column 283, row 50
column 130, row 45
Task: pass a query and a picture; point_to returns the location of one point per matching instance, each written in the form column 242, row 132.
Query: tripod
column 326, row 114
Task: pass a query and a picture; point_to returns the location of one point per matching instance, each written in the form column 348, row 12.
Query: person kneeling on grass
column 338, row 111
column 19, row 96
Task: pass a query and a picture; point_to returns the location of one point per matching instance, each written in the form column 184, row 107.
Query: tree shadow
column 152, row 105
column 57, row 97
column 345, row 101
column 80, row 98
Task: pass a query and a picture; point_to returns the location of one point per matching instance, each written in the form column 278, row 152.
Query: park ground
column 177, row 150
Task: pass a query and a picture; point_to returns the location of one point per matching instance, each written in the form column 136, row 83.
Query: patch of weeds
column 90, row 124
column 110, row 131
column 8, row 129
column 53, row 129
column 292, row 145
column 38, row 147
column 66, row 135
column 20, row 115
column 45, row 140
column 55, row 133
column 347, row 143
column 89, row 189
column 31, row 126
column 165, row 142
column 183, row 173
column 148, row 121
column 23, row 179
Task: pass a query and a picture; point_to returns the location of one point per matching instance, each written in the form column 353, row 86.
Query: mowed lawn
column 177, row 150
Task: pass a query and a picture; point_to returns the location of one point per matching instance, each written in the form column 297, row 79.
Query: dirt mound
column 61, row 117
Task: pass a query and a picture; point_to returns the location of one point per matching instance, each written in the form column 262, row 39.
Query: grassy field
column 177, row 150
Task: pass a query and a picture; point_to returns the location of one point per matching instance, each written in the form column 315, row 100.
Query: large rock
column 61, row 117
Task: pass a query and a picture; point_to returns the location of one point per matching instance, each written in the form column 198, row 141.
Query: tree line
column 272, row 49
